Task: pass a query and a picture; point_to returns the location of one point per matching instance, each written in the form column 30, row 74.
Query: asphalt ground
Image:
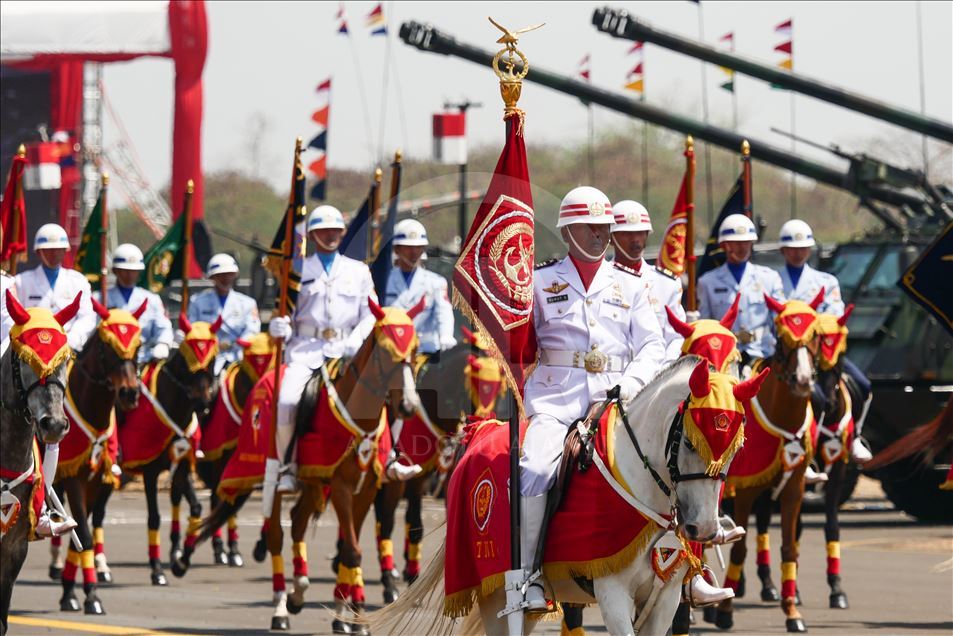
column 897, row 573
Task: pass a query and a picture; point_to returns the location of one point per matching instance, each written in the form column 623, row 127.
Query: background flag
column 635, row 80
column 928, row 280
column 164, row 259
column 89, row 257
column 671, row 254
column 13, row 214
column 299, row 215
column 342, row 19
column 493, row 279
column 786, row 47
column 376, row 22
column 318, row 146
column 382, row 248
column 714, row 256
column 729, row 83
column 585, row 71
column 356, row 241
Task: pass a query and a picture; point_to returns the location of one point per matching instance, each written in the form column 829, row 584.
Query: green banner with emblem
column 89, row 258
column 163, row 261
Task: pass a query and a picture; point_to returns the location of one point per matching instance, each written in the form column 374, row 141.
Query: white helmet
column 221, row 264
column 585, row 204
column 128, row 256
column 410, row 232
column 325, row 217
column 796, row 233
column 737, row 227
column 50, row 237
column 631, row 216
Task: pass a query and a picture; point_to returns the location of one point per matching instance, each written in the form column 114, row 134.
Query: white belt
column 593, row 361
column 311, row 331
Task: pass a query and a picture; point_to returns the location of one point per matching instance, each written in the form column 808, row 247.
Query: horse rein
column 22, row 409
column 107, row 382
column 790, row 377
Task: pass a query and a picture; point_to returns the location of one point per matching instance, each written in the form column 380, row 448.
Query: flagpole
column 708, row 183
column 923, row 96
column 691, row 303
column 375, row 237
column 746, row 176
column 104, row 227
column 15, row 228
column 187, row 245
column 645, row 159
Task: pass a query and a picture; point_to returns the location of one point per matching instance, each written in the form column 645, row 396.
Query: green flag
column 164, row 259
column 89, row 257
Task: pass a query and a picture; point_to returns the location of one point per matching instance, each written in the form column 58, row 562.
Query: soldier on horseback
column 154, row 324
column 803, row 282
column 595, row 329
column 6, row 322
column 331, row 320
column 239, row 312
column 629, row 235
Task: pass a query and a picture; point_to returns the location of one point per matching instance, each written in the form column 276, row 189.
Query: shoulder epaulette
column 547, row 263
column 627, row 270
column 666, row 272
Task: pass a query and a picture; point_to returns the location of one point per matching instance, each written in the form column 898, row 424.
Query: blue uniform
column 434, row 325
column 755, row 324
column 808, row 286
column 154, row 322
column 239, row 320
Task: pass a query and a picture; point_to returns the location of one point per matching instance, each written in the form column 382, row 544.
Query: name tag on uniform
column 307, row 282
column 721, row 290
column 557, row 299
column 36, row 297
column 616, row 302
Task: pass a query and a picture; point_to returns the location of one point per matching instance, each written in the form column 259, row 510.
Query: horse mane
column 664, row 379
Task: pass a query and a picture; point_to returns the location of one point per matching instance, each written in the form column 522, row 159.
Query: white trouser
column 293, row 380
column 542, row 450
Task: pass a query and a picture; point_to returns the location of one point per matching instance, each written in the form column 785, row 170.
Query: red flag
column 320, row 117
column 325, row 85
column 13, row 213
column 493, row 279
column 637, row 70
column 319, row 167
column 784, row 47
column 727, row 37
column 671, row 254
column 635, row 47
column 784, row 26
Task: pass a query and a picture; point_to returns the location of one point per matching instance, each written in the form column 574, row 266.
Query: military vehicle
column 905, row 351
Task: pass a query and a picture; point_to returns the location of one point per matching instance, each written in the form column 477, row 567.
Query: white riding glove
column 629, row 388
column 160, row 351
column 448, row 343
column 280, row 327
column 692, row 316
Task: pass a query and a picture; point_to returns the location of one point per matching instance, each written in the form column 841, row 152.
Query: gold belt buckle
column 327, row 333
column 595, row 361
column 745, row 336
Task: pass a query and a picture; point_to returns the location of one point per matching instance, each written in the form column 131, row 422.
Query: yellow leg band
column 194, row 523
column 175, row 513
column 764, row 542
column 153, row 537
column 350, row 576
column 414, row 552
column 277, row 564
column 72, row 556
column 575, row 631
column 86, row 558
column 300, row 550
column 734, row 571
column 232, row 523
column 788, row 571
column 833, row 549
column 99, row 536
column 386, row 548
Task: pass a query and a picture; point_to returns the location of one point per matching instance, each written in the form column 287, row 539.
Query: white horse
column 656, row 422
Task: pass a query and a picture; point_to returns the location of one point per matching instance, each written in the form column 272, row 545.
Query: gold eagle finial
column 510, row 38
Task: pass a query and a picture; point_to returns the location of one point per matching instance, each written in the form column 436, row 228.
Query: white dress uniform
column 154, row 322
column 809, row 285
column 6, row 322
column 574, row 325
column 33, row 290
column 665, row 290
column 239, row 320
column 434, row 325
column 754, row 326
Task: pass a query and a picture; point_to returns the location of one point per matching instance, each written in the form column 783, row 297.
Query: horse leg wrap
column 833, row 557
column 232, row 531
column 192, row 534
column 89, row 567
column 764, row 549
column 733, row 575
column 99, row 540
column 175, row 534
column 350, row 584
column 414, row 554
column 788, row 579
column 385, row 548
column 277, row 574
column 154, row 545
column 299, row 551
column 72, row 564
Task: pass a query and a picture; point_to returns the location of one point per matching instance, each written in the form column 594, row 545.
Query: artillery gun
column 905, row 352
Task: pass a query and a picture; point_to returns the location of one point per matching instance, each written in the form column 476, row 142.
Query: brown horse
column 32, row 388
column 356, row 396
column 451, row 388
column 103, row 376
column 159, row 434
column 778, row 448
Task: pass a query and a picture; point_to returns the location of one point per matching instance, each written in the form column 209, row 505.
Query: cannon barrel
column 428, row 38
column 619, row 23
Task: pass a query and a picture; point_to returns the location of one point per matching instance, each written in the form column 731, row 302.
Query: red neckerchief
column 586, row 269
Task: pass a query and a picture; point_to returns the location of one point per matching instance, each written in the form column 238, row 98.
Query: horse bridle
column 672, row 447
column 22, row 409
column 789, row 377
column 107, row 382
column 182, row 386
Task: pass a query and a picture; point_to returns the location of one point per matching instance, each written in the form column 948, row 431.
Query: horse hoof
column 104, row 577
column 280, row 624
column 93, row 607
column 180, row 567
column 235, row 560
column 390, row 595
column 769, row 594
column 740, row 590
column 294, row 606
column 261, row 551
column 724, row 620
column 795, row 626
column 340, row 627
column 158, row 578
column 55, row 573
column 709, row 614
column 839, row 601
column 69, row 604
column 409, row 578
column 360, row 630
column 175, row 554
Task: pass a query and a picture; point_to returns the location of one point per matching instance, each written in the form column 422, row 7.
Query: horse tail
column 419, row 610
column 304, row 414
column 923, row 439
column 219, row 516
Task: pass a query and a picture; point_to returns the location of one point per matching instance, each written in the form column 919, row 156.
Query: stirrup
column 728, row 531
column 396, row 471
column 811, row 476
column 46, row 527
column 701, row 591
column 859, row 452
column 536, row 598
column 288, row 482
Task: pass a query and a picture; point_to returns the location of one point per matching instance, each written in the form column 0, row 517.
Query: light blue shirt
column 755, row 322
column 434, row 324
column 154, row 322
column 809, row 285
column 239, row 320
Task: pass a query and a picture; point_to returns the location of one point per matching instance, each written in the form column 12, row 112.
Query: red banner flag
column 493, row 279
column 319, row 167
column 320, row 117
column 784, row 47
column 13, row 213
column 671, row 254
